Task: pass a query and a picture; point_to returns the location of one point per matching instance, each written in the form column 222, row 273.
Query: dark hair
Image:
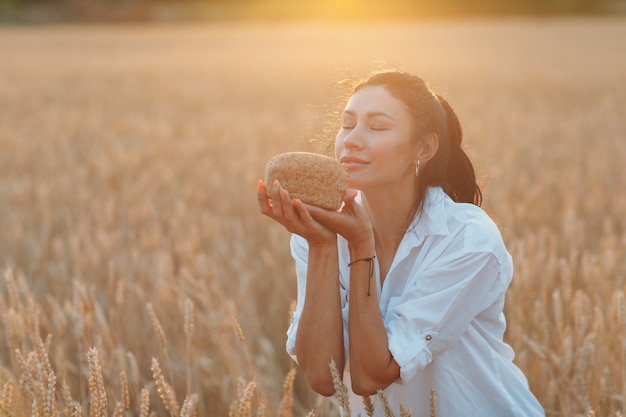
column 450, row 167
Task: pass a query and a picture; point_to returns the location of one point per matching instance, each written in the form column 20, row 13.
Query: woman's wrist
column 330, row 245
column 362, row 250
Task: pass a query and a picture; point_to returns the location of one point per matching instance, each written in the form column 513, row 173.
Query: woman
column 403, row 287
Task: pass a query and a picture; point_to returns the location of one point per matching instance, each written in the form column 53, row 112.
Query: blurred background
column 176, row 10
column 132, row 137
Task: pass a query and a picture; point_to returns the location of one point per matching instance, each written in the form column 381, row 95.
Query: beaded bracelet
column 371, row 261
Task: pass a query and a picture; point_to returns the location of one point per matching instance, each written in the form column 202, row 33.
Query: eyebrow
column 370, row 114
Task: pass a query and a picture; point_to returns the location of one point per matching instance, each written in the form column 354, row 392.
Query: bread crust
column 313, row 178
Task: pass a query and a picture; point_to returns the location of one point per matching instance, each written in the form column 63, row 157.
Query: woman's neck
column 391, row 213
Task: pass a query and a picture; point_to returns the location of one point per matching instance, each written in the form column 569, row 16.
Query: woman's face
column 374, row 141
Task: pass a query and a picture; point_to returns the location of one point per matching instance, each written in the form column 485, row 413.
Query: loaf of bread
column 315, row 179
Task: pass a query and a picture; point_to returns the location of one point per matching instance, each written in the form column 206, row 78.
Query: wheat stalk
column 97, row 392
column 50, row 405
column 6, row 399
column 286, row 404
column 433, row 403
column 189, row 326
column 77, row 411
column 190, row 316
column 242, row 407
column 25, row 379
column 166, row 393
column 237, row 329
column 11, row 289
column 158, row 329
column 125, row 391
column 241, row 338
column 385, row 404
column 119, row 410
column 189, row 406
column 368, row 405
column 156, row 325
column 133, row 368
column 341, row 391
column 144, row 403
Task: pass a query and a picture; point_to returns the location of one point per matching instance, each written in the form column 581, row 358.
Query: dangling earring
column 417, row 168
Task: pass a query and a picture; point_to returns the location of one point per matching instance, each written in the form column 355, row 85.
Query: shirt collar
column 431, row 220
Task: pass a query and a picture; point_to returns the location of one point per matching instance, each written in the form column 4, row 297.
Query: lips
column 352, row 162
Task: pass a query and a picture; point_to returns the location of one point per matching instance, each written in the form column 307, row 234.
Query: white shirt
column 441, row 304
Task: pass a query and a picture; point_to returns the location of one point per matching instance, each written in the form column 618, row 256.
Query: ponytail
column 461, row 179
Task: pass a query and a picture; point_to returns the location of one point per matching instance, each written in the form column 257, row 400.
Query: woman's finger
column 277, row 203
column 302, row 210
column 263, row 200
column 330, row 219
column 289, row 214
column 292, row 213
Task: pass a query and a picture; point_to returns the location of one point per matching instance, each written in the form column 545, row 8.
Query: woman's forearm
column 372, row 366
column 319, row 337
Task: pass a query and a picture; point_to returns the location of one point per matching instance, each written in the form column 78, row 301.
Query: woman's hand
column 352, row 222
column 293, row 215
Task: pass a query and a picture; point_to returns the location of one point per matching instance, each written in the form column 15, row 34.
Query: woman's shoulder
column 479, row 230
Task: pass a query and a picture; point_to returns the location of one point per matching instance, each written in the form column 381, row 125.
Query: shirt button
column 428, row 337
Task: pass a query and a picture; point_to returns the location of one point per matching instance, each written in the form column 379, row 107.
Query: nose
column 353, row 139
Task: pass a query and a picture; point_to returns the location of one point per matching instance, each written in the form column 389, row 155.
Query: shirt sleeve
column 300, row 254
column 447, row 295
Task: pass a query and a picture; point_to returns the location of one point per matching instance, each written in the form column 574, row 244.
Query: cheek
column 400, row 159
column 337, row 146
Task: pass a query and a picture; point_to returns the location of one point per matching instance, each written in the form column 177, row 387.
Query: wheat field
column 137, row 276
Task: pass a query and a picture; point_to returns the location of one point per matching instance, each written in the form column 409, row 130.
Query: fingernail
column 260, row 186
column 276, row 185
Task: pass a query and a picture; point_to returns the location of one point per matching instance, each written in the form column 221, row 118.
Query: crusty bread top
column 313, row 178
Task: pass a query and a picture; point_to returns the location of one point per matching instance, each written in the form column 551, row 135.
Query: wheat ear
column 341, row 391
column 189, row 326
column 286, row 404
column 368, row 405
column 164, row 389
column 144, row 405
column 244, row 403
column 433, row 403
column 67, row 398
column 119, row 410
column 241, row 337
column 385, row 403
column 189, row 406
column 125, row 391
column 97, row 392
column 158, row 329
column 7, row 399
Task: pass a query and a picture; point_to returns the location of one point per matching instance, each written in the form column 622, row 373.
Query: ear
column 427, row 148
